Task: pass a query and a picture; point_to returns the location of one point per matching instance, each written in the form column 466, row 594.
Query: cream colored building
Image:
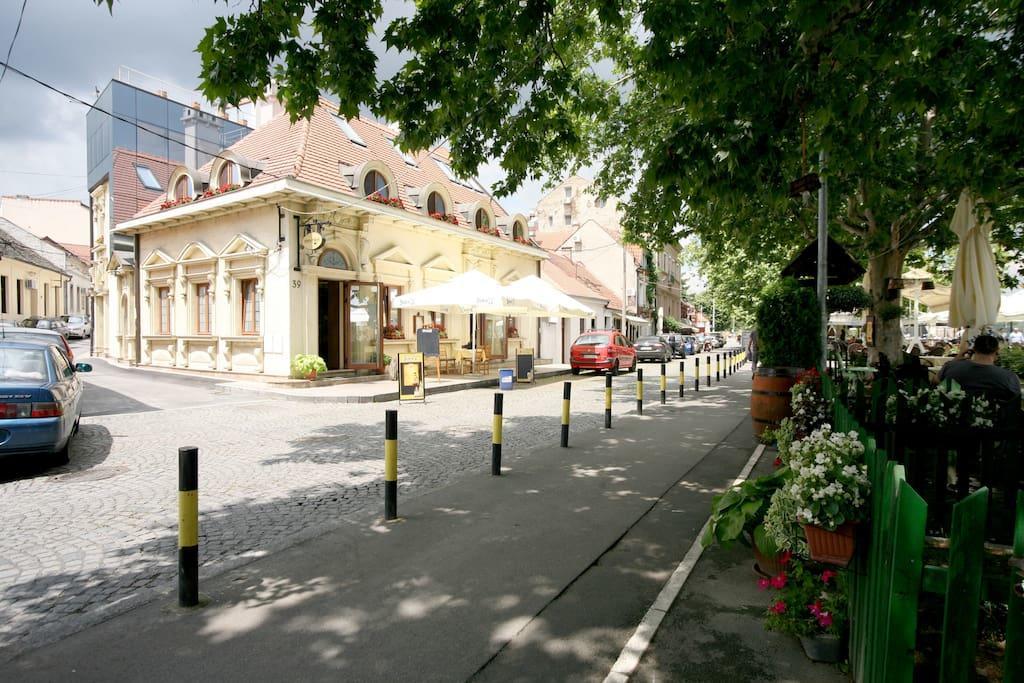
column 30, row 285
column 294, row 240
column 58, row 231
column 573, row 221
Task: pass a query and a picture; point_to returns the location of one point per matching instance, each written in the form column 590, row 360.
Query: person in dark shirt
column 980, row 374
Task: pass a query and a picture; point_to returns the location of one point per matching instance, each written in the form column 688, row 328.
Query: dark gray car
column 653, row 349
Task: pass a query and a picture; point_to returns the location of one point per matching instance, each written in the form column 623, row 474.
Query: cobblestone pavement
column 99, row 535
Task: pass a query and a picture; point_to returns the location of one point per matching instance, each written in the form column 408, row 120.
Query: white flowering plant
column 829, row 485
column 809, row 406
column 939, row 407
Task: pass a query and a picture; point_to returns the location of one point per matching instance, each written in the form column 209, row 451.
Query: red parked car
column 601, row 350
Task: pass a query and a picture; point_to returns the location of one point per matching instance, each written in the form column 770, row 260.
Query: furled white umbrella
column 1011, row 307
column 974, row 302
column 543, row 299
column 470, row 293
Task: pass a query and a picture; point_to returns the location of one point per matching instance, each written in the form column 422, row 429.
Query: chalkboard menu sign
column 524, row 365
column 428, row 341
column 410, row 377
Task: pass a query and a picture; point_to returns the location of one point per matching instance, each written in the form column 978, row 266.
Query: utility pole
column 624, row 289
column 823, row 254
column 713, row 316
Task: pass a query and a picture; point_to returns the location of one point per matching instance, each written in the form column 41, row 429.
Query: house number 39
column 296, row 284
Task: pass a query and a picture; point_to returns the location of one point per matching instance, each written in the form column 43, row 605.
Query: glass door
column 362, row 315
column 492, row 335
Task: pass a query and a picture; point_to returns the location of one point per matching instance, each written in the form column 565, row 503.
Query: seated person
column 979, row 374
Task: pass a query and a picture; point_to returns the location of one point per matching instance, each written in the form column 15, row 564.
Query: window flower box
column 445, row 217
column 396, row 202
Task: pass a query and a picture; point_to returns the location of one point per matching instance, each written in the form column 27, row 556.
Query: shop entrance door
column 362, row 326
column 329, row 319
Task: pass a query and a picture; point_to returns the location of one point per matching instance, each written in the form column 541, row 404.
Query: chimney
column 196, row 106
column 161, row 93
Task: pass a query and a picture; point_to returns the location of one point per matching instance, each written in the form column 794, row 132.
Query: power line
column 54, row 175
column 10, row 48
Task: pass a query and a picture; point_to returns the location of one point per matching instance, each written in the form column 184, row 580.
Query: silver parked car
column 79, row 327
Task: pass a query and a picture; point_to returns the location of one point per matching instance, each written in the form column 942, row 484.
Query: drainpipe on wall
column 92, row 300
column 138, row 303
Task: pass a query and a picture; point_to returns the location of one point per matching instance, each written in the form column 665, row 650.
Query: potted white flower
column 829, row 488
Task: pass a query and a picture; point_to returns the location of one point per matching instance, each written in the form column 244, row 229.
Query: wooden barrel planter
column 769, row 397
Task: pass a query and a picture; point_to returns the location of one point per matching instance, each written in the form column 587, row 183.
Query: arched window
column 481, row 220
column 229, row 174
column 435, row 203
column 518, row 232
column 183, row 188
column 332, row 258
column 374, row 181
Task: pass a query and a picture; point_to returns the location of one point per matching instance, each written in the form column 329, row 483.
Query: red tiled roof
column 553, row 240
column 130, row 195
column 82, row 251
column 314, row 150
column 575, row 279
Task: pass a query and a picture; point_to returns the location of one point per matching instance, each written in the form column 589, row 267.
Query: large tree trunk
column 888, row 334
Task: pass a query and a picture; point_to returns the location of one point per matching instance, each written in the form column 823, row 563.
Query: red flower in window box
column 387, row 201
column 446, row 217
column 393, row 332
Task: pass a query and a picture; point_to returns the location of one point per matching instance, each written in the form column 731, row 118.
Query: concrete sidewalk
column 468, row 579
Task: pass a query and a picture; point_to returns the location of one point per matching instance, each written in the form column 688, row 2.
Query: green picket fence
column 889, row 574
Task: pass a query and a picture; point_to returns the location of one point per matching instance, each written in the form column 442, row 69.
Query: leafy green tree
column 700, row 112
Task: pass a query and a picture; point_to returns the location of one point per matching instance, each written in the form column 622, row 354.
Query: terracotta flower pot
column 833, row 547
column 769, row 565
column 311, row 376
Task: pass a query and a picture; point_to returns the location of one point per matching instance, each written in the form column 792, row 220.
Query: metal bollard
column 390, row 464
column 639, row 391
column 682, row 376
column 718, row 367
column 566, row 393
column 708, row 371
column 608, row 401
column 496, row 436
column 664, row 384
column 696, row 373
column 188, row 526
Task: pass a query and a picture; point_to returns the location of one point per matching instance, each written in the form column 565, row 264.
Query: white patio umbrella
column 470, row 293
column 543, row 299
column 1011, row 307
column 974, row 302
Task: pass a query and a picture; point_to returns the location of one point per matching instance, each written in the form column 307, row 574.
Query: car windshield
column 72, row 319
column 23, row 366
column 593, row 340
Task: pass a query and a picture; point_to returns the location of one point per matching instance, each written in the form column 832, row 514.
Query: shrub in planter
column 809, row 601
column 738, row 511
column 788, row 326
column 830, row 487
column 307, row 366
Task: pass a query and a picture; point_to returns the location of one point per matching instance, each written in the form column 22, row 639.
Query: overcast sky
column 77, row 47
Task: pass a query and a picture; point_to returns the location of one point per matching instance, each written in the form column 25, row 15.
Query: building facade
column 30, row 285
column 58, row 231
column 296, row 239
column 572, row 220
column 573, row 278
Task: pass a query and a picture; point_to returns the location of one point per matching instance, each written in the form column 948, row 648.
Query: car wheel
column 575, row 371
column 63, row 456
column 633, row 366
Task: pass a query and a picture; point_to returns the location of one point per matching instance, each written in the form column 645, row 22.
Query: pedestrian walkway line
column 638, row 643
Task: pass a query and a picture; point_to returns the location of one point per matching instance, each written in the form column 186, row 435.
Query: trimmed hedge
column 788, row 326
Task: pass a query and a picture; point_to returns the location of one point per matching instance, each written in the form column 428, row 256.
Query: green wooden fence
column 889, row 574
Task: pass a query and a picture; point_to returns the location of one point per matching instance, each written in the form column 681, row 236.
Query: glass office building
column 136, row 137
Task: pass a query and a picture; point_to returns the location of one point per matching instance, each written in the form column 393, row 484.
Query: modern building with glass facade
column 135, row 139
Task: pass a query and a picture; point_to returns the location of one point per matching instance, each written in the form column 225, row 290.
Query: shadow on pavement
column 83, row 457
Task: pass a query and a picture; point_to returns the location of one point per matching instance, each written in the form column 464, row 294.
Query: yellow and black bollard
column 608, row 401
column 664, row 384
column 188, row 527
column 566, row 393
column 718, row 367
column 390, row 464
column 639, row 391
column 708, row 371
column 682, row 376
column 496, row 436
column 696, row 373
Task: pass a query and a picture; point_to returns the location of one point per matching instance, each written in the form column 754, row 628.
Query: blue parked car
column 40, row 400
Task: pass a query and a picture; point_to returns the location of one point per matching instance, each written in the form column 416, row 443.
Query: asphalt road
column 113, row 390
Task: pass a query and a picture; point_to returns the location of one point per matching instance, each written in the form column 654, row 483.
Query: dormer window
column 435, row 204
column 481, row 220
column 183, row 188
column 230, row 174
column 375, row 182
column 518, row 232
